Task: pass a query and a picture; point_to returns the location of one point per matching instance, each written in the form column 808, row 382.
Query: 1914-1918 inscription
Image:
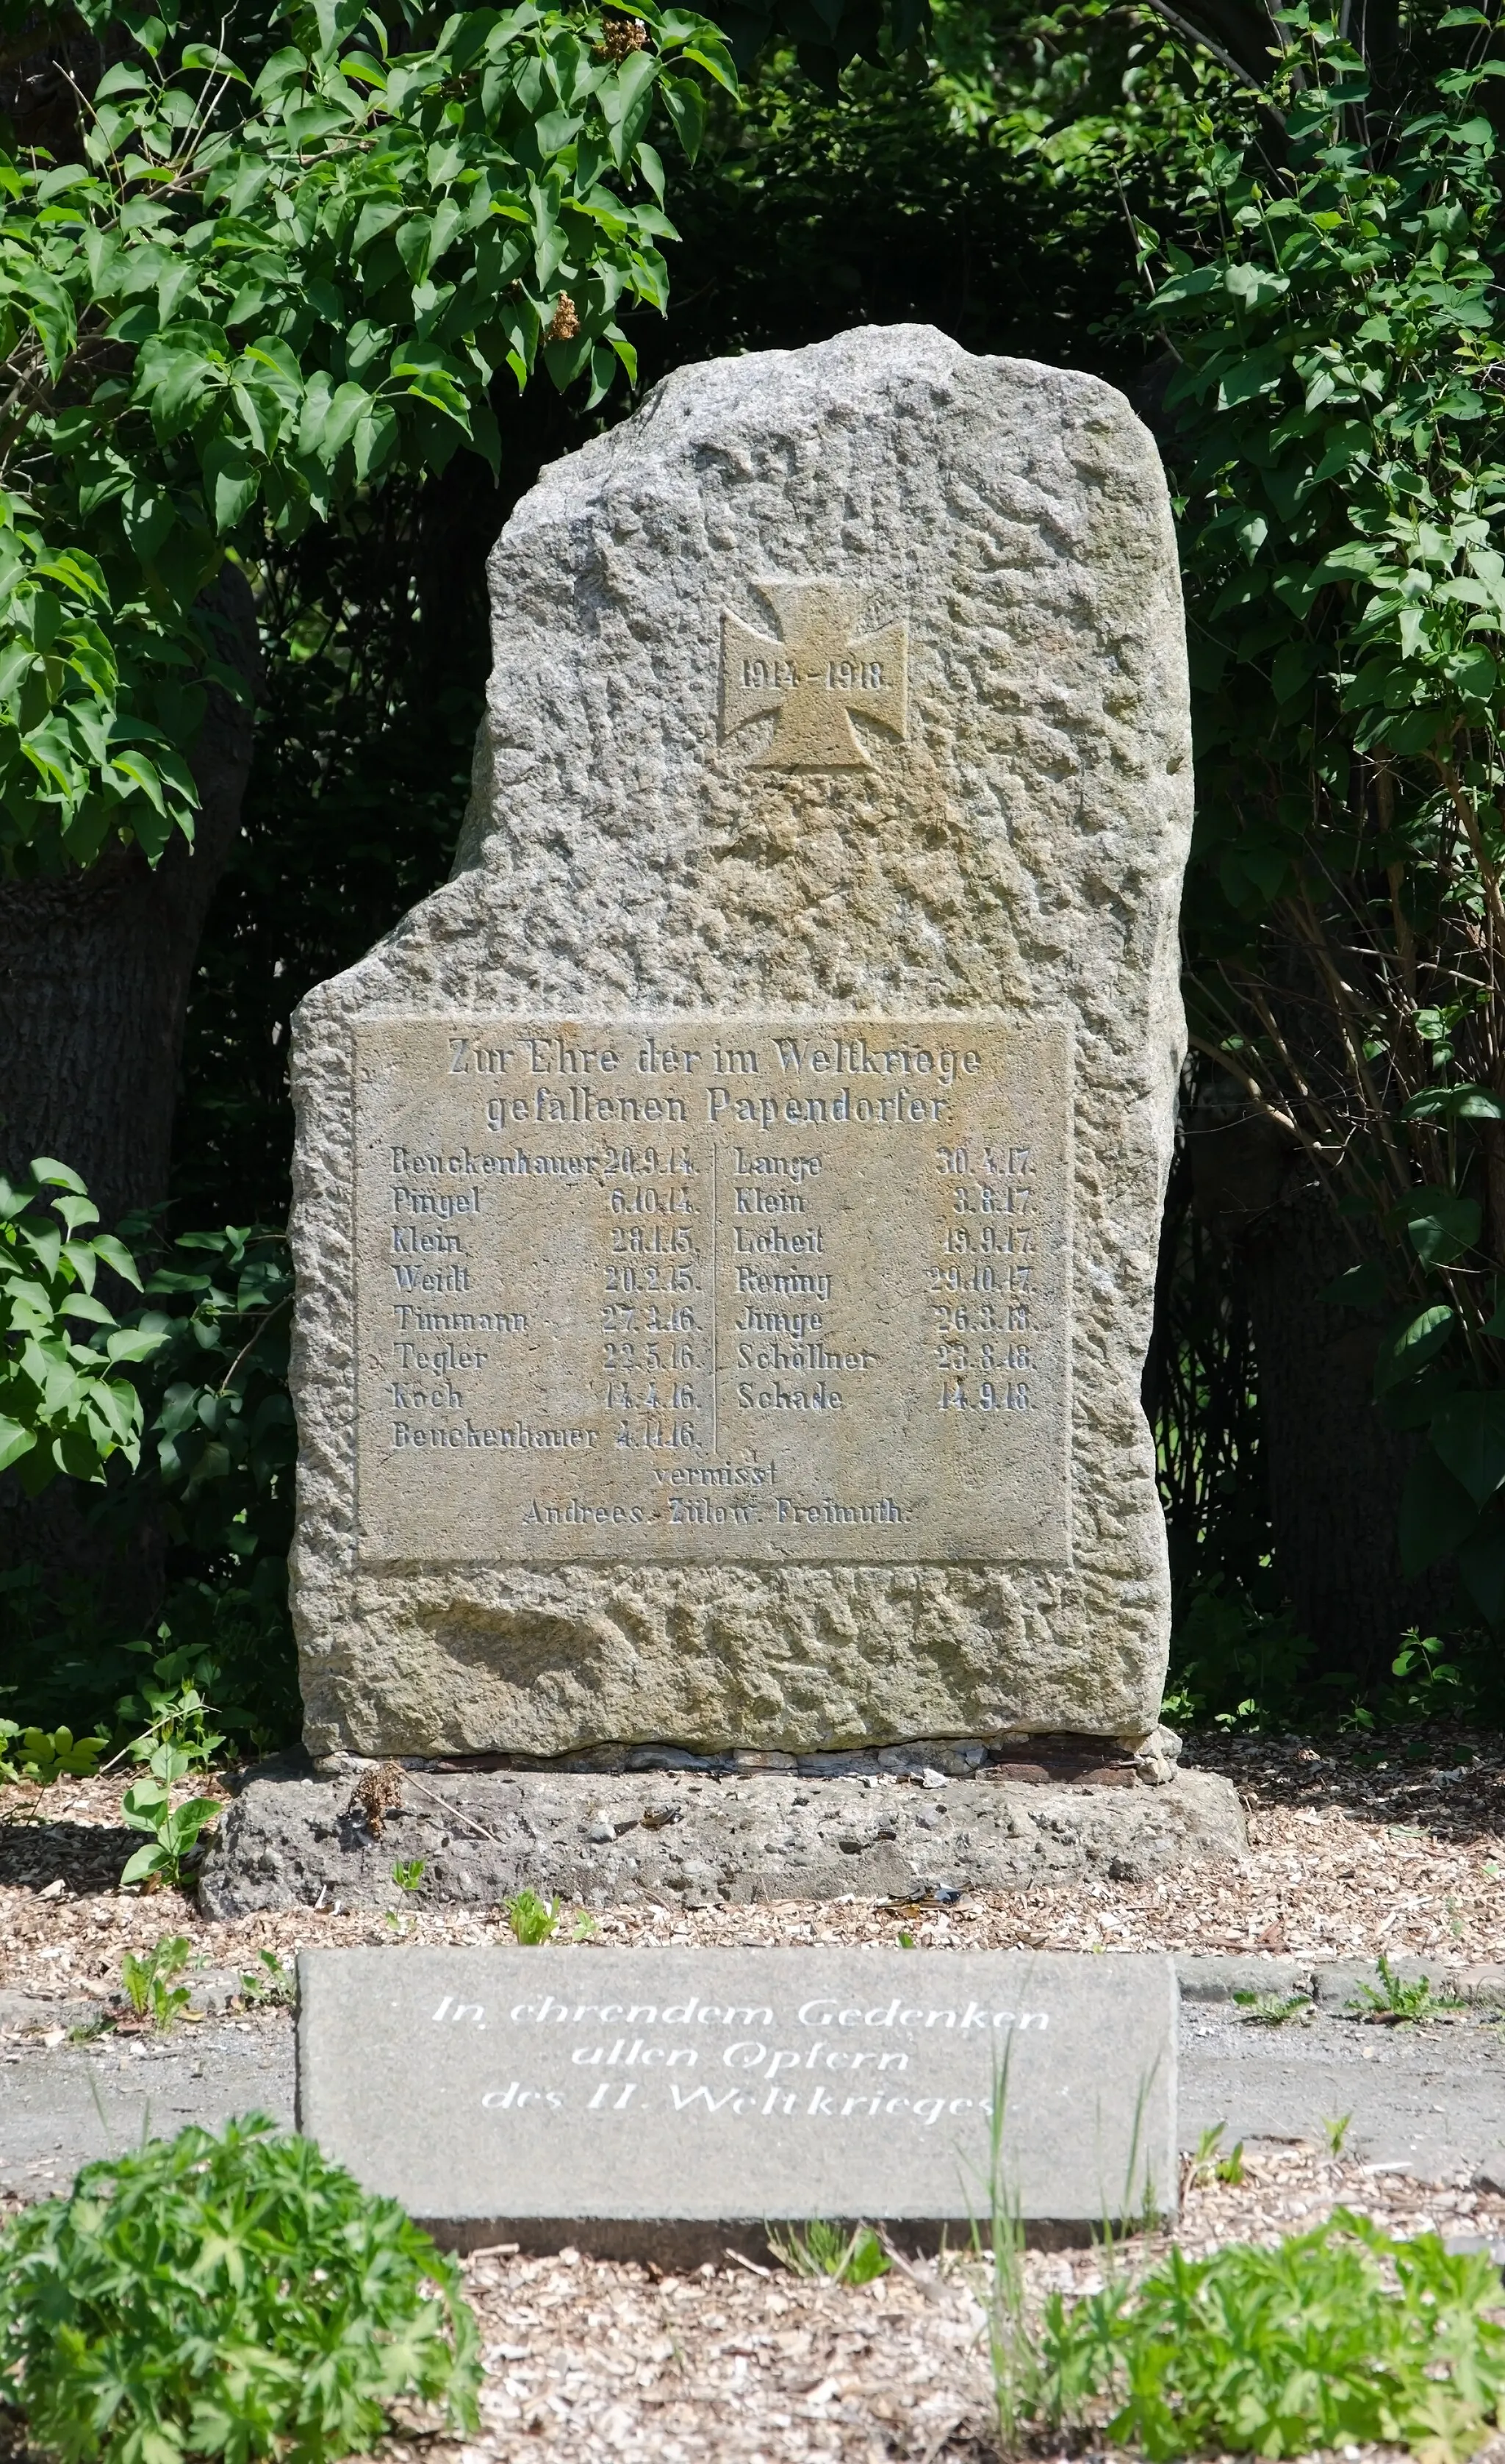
column 718, row 1287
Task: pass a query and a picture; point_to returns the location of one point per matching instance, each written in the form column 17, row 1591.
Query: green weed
column 268, row 1983
column 173, row 1830
column 238, row 2296
column 1282, row 2351
column 820, row 2249
column 1274, row 2009
column 533, row 1919
column 408, row 1873
column 1335, row 2131
column 149, row 1976
column 174, row 1703
column 1207, row 2165
column 1013, row 2348
column 1397, row 1998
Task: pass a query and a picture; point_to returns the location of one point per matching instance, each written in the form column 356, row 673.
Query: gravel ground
column 1352, row 1852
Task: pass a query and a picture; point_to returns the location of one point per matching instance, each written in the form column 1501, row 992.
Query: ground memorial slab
column 726, row 1212
column 667, row 2100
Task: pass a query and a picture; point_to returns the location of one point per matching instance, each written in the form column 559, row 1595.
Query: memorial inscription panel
column 676, row 2084
column 718, row 1287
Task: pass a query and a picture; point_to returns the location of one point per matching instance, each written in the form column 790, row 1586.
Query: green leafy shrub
column 1335, row 429
column 308, row 277
column 43, row 1755
column 217, row 1447
column 268, row 1985
column 65, row 1406
column 1234, row 1667
column 223, row 1437
column 1275, row 2009
column 1278, row 2352
column 174, row 1703
column 237, row 2297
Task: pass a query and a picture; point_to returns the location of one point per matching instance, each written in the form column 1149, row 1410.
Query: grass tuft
column 820, row 2249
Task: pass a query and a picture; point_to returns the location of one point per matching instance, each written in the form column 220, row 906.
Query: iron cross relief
column 813, row 677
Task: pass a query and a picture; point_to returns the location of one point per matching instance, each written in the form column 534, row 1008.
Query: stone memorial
column 726, row 1212
column 665, row 2103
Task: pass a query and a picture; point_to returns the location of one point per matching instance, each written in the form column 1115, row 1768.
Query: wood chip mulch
column 1354, row 1850
column 596, row 2362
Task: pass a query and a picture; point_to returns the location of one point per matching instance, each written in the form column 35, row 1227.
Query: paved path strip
column 1428, row 2097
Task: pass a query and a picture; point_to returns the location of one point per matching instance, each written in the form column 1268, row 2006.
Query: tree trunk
column 1336, row 1467
column 96, row 966
column 94, row 973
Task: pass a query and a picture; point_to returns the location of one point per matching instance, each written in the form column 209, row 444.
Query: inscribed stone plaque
column 681, row 2086
column 838, row 700
column 744, row 1288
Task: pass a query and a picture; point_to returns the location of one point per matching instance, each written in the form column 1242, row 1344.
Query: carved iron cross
column 813, row 677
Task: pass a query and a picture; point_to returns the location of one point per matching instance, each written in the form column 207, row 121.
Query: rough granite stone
column 985, row 817
column 689, row 1840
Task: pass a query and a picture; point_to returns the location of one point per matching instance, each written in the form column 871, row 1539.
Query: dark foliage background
column 913, row 195
column 991, row 188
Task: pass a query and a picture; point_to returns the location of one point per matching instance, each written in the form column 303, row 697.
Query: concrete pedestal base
column 697, row 1836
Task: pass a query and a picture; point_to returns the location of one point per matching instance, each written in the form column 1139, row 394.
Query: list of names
column 713, row 1288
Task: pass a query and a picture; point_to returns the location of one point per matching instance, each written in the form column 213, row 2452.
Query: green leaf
column 1362, row 1287
column 1437, row 1513
column 1454, row 1103
column 138, row 1867
column 375, row 439
column 208, row 55
column 145, row 1805
column 1254, row 286
column 1439, row 1226
column 336, row 19
column 114, row 1253
column 1193, row 284
column 436, row 387
column 1259, row 373
column 1417, row 1343
column 233, row 482
column 685, row 105
column 1469, row 1433
column 132, row 1343
column 53, row 1174
column 1481, row 1563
